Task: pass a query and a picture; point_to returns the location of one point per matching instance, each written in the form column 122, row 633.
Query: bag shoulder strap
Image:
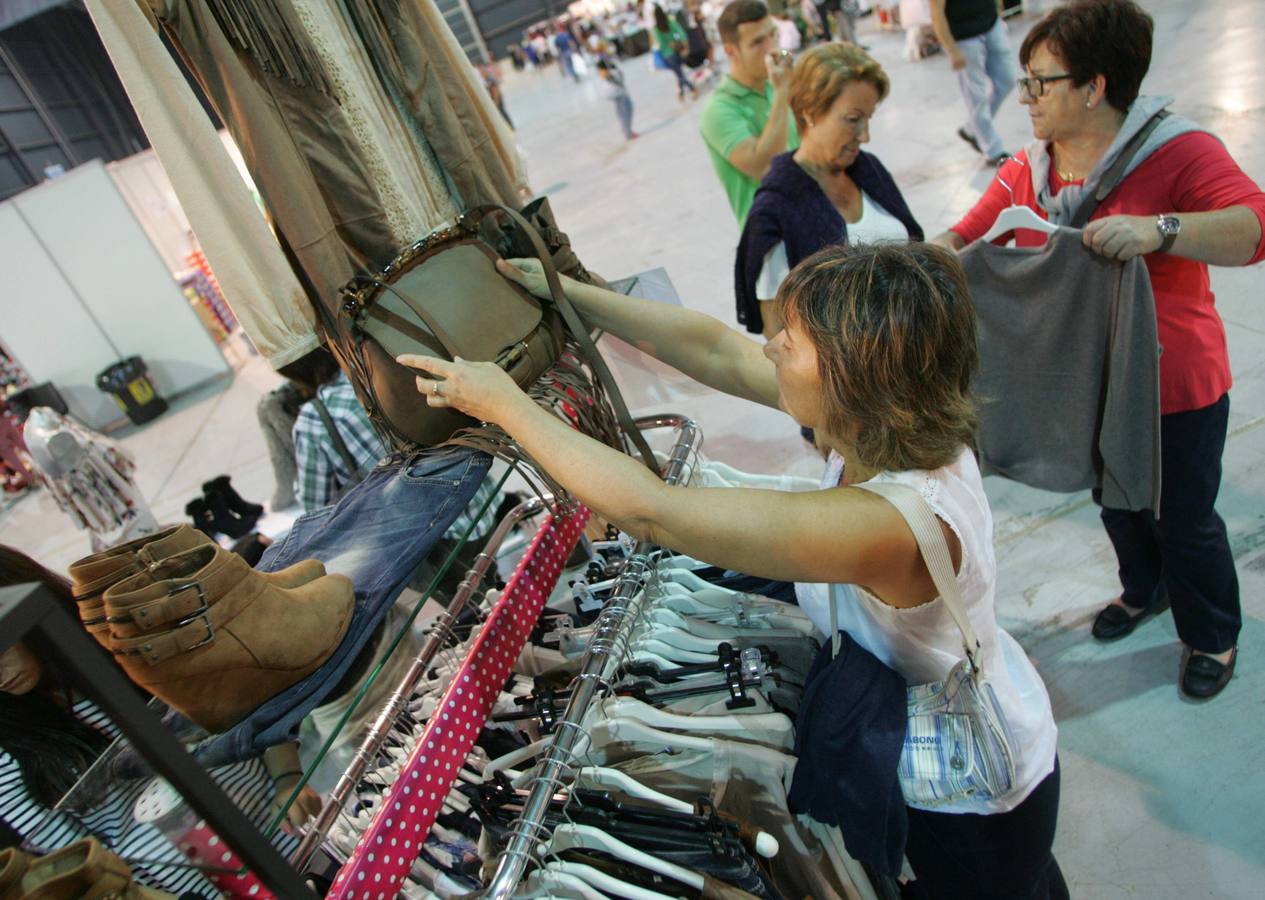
column 1112, row 177
column 581, row 334
column 923, row 522
column 336, row 436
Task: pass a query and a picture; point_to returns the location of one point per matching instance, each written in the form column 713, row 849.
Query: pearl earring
column 1089, row 104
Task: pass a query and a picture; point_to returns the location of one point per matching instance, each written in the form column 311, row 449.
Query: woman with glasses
column 1182, row 205
column 828, row 191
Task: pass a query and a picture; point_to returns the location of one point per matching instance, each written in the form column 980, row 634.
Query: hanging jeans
column 985, row 82
column 1185, row 551
column 376, row 535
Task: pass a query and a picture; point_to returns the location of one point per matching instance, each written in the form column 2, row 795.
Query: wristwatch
column 1168, row 227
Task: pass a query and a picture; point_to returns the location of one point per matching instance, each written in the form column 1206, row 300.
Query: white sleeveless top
column 923, row 643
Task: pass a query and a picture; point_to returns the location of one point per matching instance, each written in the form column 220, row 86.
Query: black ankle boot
column 232, row 499
column 200, row 513
column 224, row 521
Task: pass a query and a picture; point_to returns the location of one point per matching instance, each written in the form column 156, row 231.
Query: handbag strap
column 922, row 521
column 1115, row 172
column 576, row 325
column 339, row 444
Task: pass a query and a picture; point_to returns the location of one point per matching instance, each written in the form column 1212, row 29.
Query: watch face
column 1170, row 225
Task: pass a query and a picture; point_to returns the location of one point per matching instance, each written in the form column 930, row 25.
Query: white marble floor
column 1161, row 798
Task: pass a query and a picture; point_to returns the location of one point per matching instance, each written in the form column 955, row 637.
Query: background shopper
column 747, row 120
column 1184, row 204
column 975, row 40
column 828, row 191
column 673, row 46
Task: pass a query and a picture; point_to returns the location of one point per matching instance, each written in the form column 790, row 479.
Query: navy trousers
column 1185, row 551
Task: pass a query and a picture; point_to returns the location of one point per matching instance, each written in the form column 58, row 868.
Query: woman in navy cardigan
column 829, row 190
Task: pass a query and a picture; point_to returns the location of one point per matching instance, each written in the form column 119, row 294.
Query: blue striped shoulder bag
column 957, row 743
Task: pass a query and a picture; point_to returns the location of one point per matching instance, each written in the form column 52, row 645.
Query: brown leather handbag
column 443, row 297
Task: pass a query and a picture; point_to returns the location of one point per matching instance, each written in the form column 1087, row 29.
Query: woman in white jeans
column 877, row 355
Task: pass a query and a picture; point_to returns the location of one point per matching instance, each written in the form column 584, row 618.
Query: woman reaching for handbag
column 877, row 355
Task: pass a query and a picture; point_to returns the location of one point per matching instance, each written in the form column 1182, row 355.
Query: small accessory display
column 957, row 742
column 1169, row 228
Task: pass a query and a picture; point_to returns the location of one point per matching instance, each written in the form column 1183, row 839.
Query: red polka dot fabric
column 389, row 846
column 204, row 848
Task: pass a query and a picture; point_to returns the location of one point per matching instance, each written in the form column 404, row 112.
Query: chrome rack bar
column 603, row 655
column 398, row 701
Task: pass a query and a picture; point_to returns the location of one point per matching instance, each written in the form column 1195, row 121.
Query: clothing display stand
column 385, row 852
column 604, row 653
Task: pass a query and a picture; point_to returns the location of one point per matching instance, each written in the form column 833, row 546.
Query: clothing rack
column 605, row 652
column 384, row 855
column 398, row 701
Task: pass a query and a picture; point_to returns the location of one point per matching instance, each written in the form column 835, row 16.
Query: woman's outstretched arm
column 696, row 344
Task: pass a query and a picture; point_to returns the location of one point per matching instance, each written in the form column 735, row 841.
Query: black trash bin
column 128, row 382
column 25, row 400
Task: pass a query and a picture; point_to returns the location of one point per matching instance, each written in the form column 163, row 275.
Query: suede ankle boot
column 13, row 865
column 224, row 520
column 90, row 576
column 84, row 870
column 214, row 638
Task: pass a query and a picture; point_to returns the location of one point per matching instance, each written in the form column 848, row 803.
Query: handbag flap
column 452, row 303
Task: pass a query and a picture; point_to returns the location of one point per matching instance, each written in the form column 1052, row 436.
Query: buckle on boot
column 200, row 613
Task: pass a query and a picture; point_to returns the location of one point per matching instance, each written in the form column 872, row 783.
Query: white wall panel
column 46, row 327
column 105, row 255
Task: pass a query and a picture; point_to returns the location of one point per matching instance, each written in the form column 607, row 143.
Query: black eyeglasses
column 1034, row 86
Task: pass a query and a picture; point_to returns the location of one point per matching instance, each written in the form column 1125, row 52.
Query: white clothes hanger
column 568, row 836
column 1013, row 217
column 607, row 883
column 607, row 732
column 600, row 776
column 771, row 727
column 548, row 883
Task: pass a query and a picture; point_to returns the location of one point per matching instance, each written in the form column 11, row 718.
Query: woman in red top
column 1183, row 204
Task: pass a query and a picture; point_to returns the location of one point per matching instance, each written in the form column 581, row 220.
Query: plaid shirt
column 322, row 471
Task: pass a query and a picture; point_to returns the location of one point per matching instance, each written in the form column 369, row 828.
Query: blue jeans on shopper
column 986, row 82
column 624, row 110
column 376, row 535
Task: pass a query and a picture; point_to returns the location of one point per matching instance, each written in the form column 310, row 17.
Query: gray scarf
column 1061, row 207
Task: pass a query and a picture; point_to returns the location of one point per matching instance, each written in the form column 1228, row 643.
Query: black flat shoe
column 1115, row 622
column 1203, row 677
column 970, row 139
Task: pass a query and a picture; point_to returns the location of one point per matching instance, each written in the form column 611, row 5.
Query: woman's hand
column 479, row 389
column 1122, row 237
column 529, row 274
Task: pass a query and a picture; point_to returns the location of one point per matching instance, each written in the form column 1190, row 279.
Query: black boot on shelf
column 232, row 499
column 225, row 521
column 200, row 513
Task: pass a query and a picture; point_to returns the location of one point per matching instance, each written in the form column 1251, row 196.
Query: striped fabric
column 111, row 820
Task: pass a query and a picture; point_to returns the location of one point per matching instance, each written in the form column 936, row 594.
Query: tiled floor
column 1161, row 798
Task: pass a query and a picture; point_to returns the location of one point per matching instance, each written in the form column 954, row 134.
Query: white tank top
column 923, row 643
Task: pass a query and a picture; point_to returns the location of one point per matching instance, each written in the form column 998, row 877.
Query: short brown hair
column 1111, row 38
column 821, row 74
column 894, row 329
column 739, row 12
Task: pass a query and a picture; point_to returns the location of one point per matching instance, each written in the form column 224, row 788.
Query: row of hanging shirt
column 679, row 786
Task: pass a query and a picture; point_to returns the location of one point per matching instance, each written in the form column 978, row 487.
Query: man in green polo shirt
column 747, row 120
